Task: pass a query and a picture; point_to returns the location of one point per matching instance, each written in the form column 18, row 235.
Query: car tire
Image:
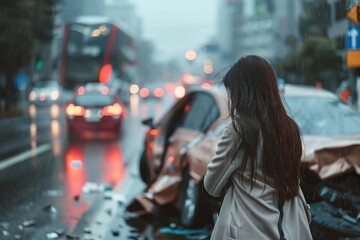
column 191, row 204
column 144, row 168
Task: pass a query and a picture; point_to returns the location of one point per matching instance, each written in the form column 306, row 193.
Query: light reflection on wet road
column 56, row 177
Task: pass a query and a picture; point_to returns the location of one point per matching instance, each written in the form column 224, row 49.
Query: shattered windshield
column 323, row 116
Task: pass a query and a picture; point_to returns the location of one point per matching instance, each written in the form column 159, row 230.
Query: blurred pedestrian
column 258, row 159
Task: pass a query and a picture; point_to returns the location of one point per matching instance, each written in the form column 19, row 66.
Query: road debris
column 72, row 237
column 76, row 197
column 5, row 225
column 179, row 231
column 108, row 195
column 87, row 230
column 120, row 199
column 109, row 211
column 53, row 193
column 60, row 232
column 105, row 187
column 28, row 223
column 115, row 232
column 50, row 209
column 52, row 235
column 5, row 233
column 90, row 187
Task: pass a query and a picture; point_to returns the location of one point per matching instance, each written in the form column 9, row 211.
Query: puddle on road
column 162, row 226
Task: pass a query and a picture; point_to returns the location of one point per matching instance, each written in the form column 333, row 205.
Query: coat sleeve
column 221, row 166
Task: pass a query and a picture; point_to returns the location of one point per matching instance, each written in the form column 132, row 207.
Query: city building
column 124, row 12
column 71, row 9
column 260, row 27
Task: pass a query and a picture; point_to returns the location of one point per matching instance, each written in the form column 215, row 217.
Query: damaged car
column 196, row 121
column 179, row 147
column 331, row 160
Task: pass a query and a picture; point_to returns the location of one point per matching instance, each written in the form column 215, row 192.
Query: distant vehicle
column 96, row 49
column 45, row 92
column 152, row 90
column 94, row 109
column 179, row 147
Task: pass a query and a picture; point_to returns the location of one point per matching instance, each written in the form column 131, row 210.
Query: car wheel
column 191, row 205
column 144, row 169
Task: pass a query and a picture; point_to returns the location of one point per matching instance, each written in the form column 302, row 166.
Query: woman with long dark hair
column 258, row 160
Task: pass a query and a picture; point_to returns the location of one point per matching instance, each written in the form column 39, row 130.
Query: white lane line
column 24, row 156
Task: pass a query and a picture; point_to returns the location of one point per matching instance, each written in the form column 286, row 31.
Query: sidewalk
column 14, row 119
column 18, row 112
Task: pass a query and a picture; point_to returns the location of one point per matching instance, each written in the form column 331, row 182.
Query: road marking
column 24, row 156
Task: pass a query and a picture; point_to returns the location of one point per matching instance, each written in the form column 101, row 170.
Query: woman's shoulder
column 230, row 128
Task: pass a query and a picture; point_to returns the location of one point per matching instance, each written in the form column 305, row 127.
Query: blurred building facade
column 260, row 27
column 71, row 9
column 338, row 21
column 268, row 27
column 338, row 24
column 124, row 12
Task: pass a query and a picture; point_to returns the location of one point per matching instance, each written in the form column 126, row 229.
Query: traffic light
column 38, row 63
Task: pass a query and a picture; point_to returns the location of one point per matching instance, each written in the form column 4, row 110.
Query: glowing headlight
column 134, row 89
column 180, row 91
column 32, row 96
column 54, row 95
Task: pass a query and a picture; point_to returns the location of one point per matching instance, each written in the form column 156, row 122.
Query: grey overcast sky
column 177, row 25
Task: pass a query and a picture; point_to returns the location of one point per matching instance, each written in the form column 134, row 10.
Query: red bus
column 97, row 50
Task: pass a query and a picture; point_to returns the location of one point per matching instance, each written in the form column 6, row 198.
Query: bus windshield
column 85, row 51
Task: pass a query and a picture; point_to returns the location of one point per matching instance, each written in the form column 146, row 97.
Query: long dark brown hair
column 256, row 109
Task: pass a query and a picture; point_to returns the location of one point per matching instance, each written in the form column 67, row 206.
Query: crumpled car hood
column 331, row 156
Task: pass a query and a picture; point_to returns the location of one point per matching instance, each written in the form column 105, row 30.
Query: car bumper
column 77, row 124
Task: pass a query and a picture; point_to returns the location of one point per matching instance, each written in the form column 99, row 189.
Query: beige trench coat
column 251, row 214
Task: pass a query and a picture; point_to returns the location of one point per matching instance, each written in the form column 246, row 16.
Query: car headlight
column 54, row 95
column 32, row 96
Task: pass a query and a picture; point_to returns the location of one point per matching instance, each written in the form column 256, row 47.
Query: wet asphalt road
column 42, row 175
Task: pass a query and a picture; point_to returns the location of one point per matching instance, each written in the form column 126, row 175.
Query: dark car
column 179, row 147
column 94, row 109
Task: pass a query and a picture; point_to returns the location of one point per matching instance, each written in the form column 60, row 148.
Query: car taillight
column 154, row 132
column 81, row 90
column 104, row 90
column 144, row 92
column 159, row 92
column 112, row 110
column 105, row 73
column 74, row 110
